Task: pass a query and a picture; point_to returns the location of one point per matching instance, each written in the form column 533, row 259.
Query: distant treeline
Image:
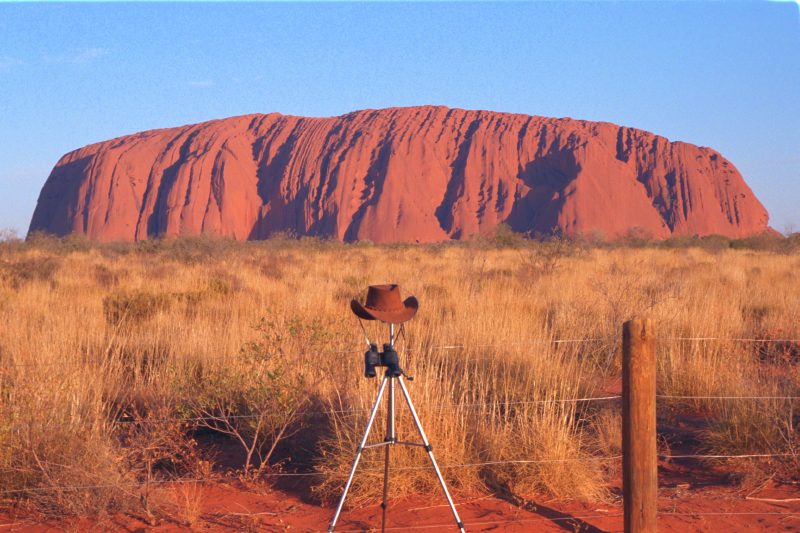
column 503, row 237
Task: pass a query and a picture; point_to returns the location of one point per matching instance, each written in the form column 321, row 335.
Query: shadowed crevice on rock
column 547, row 178
column 373, row 187
column 455, row 187
column 270, row 175
column 624, row 144
column 157, row 221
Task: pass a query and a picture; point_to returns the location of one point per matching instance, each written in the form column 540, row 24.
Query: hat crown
column 384, row 298
column 385, row 304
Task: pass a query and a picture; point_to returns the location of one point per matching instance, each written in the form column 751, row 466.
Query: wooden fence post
column 639, row 461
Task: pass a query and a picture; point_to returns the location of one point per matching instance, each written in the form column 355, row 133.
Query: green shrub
column 256, row 402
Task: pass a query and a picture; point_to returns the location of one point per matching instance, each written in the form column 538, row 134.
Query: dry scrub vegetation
column 120, row 365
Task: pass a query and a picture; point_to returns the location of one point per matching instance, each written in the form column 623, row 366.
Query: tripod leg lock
column 428, row 448
column 460, row 525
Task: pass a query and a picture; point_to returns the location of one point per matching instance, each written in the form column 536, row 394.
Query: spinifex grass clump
column 52, row 444
column 188, row 330
column 133, row 307
column 19, row 271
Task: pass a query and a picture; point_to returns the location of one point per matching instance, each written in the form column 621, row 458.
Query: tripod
column 392, row 375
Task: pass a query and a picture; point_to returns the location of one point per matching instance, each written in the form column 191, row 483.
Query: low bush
column 40, row 268
column 133, row 307
column 256, row 401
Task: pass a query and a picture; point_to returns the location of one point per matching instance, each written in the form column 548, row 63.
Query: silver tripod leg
column 390, row 438
column 358, row 453
column 428, row 448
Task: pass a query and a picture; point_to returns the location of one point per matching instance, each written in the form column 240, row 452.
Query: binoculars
column 388, row 358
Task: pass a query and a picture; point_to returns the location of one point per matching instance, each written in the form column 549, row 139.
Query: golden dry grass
column 96, row 341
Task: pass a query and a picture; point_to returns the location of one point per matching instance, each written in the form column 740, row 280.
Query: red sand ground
column 684, row 506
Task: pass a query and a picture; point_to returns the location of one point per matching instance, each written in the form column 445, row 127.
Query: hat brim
column 410, row 307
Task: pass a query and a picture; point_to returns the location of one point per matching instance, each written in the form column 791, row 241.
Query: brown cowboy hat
column 384, row 304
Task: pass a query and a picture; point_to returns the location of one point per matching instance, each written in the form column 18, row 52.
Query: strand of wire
column 566, row 519
column 307, row 474
column 220, row 358
column 559, row 460
column 487, row 523
column 729, row 513
column 737, row 456
column 438, row 407
column 726, row 339
column 346, row 413
column 347, row 351
column 678, row 397
column 468, row 346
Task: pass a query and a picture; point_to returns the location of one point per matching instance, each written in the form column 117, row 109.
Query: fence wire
column 470, row 523
column 354, row 412
column 509, row 522
column 729, row 513
column 397, row 469
column 531, row 342
column 65, row 488
column 670, row 396
column 734, row 456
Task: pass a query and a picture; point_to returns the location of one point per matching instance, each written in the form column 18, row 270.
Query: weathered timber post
column 639, row 461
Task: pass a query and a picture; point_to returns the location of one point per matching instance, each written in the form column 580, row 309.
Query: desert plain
column 204, row 384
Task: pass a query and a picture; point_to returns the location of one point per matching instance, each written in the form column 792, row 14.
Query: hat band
column 385, row 310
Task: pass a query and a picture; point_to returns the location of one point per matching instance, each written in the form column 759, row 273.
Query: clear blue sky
column 725, row 75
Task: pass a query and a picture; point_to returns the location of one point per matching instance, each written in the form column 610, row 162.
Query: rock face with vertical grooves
column 399, row 174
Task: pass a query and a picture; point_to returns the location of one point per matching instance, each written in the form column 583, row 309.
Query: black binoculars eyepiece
column 371, row 359
column 388, row 358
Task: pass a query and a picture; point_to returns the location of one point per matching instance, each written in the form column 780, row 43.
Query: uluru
column 411, row 174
